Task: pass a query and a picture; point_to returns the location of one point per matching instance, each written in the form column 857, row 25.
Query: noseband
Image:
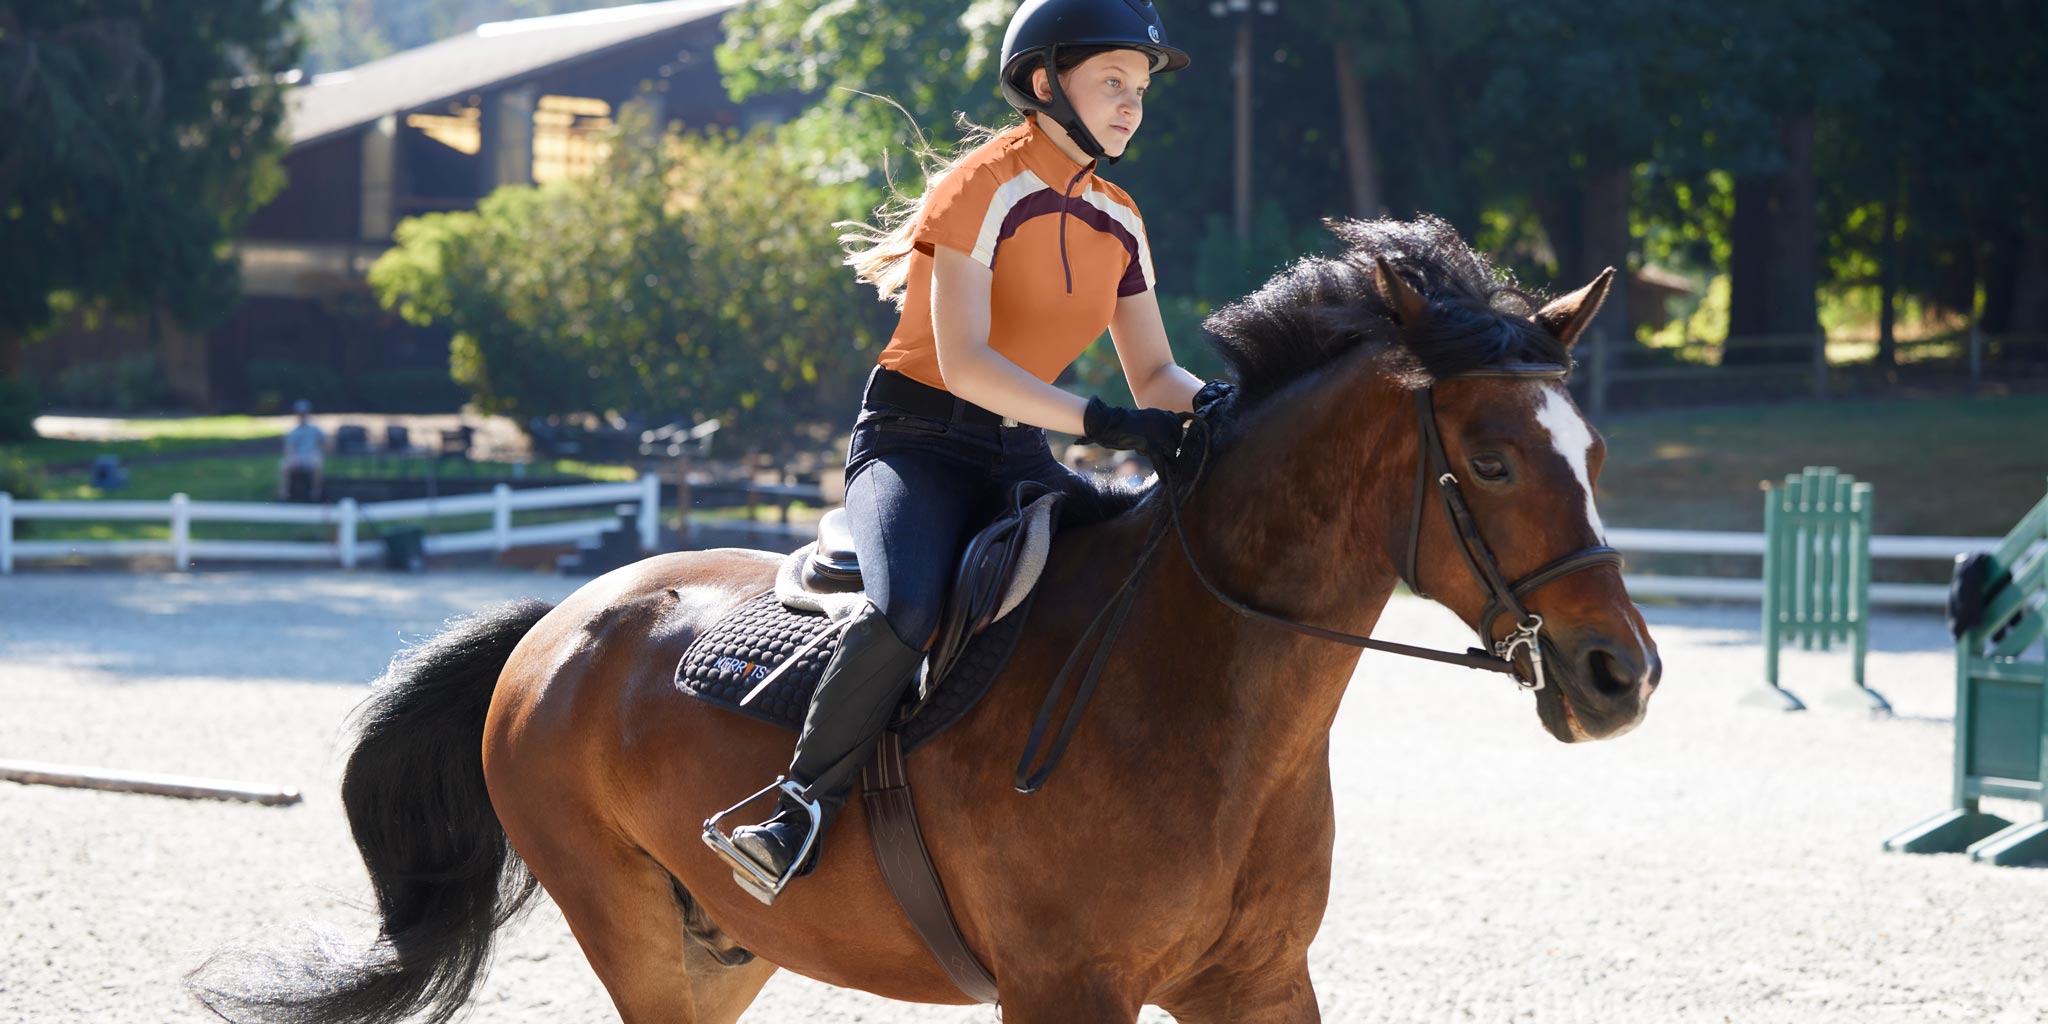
column 1502, row 596
column 1430, row 457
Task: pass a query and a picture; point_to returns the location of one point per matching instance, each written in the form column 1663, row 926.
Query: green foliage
column 139, row 135
column 690, row 277
column 20, row 477
column 934, row 57
column 130, row 383
column 278, row 383
column 18, row 405
column 408, row 391
column 1227, row 268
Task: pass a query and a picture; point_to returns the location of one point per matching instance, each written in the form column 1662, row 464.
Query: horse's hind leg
column 625, row 913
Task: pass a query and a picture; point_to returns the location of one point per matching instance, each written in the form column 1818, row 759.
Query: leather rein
column 1431, row 460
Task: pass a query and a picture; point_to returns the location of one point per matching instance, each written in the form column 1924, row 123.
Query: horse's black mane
column 1324, row 306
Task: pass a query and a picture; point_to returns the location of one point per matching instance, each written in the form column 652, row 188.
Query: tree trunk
column 1749, row 267
column 1357, row 135
column 1440, row 180
column 2027, row 315
column 1795, row 280
column 1605, row 242
column 1562, row 213
column 1773, row 272
column 1888, row 283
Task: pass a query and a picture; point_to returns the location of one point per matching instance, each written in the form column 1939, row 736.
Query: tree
column 135, row 139
column 691, row 276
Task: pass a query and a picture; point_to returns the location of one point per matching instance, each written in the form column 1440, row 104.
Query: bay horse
column 1181, row 858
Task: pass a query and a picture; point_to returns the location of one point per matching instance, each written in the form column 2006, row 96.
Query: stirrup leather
column 750, row 875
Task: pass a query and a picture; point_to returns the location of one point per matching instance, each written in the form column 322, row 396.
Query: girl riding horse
column 1013, row 260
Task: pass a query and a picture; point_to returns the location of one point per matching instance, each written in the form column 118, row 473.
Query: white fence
column 346, row 517
column 1717, row 542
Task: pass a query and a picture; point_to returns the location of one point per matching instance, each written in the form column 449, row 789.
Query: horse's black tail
column 445, row 877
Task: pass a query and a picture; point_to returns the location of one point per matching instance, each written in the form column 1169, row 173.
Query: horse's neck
column 1297, row 518
column 1298, row 515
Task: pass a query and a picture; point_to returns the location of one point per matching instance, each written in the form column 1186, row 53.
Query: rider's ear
column 1565, row 318
column 1400, row 297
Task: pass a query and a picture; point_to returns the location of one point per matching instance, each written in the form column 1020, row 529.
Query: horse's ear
column 1400, row 297
column 1567, row 317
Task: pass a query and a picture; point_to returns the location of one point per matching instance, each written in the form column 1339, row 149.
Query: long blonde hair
column 879, row 253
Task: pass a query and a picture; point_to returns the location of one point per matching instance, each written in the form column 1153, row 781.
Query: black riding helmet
column 1041, row 28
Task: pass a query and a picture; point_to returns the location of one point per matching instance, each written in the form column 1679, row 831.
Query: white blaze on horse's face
column 1573, row 440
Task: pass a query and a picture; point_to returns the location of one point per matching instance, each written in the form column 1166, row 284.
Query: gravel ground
column 1720, row 863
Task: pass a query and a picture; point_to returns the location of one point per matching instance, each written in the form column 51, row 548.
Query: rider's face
column 1108, row 92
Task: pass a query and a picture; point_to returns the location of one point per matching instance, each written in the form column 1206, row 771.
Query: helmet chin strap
column 1063, row 112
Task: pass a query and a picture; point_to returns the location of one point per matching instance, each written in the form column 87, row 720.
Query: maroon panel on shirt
column 1046, row 201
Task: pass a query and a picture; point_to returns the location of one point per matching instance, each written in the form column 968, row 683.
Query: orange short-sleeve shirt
column 1062, row 243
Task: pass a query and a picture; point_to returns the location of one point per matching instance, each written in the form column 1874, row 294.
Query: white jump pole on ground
column 190, row 787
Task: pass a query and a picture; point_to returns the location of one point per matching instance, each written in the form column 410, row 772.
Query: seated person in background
column 303, row 449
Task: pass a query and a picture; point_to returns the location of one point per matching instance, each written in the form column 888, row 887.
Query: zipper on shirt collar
column 1067, row 196
column 1037, row 138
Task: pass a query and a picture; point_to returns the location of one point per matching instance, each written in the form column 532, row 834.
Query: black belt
column 904, row 392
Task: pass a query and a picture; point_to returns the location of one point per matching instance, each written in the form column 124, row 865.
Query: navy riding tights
column 917, row 488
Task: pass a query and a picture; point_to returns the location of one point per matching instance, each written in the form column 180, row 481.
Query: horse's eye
column 1489, row 467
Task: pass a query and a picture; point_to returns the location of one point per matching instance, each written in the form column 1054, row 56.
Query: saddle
column 764, row 658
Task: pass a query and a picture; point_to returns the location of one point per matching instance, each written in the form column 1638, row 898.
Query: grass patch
column 159, row 437
column 1953, row 466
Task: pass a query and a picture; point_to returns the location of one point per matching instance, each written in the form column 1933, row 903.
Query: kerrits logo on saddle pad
column 747, row 670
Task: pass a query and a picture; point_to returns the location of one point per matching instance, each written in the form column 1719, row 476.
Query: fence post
column 1976, row 353
column 501, row 517
column 6, row 532
column 345, row 531
column 181, row 532
column 1596, row 390
column 650, row 512
column 1820, row 365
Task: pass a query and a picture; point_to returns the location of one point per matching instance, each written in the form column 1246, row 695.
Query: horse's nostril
column 1610, row 675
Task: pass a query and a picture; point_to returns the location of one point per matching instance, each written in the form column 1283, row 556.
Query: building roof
column 466, row 64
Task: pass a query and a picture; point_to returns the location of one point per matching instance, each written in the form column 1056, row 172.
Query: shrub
column 19, row 477
column 274, row 384
column 17, row 410
column 415, row 390
column 130, row 383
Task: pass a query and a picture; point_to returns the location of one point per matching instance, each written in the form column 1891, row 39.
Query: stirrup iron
column 748, row 874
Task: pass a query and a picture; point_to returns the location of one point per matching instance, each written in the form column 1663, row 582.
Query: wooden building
column 431, row 129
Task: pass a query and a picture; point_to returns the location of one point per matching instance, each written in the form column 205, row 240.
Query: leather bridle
column 1430, row 458
column 1502, row 597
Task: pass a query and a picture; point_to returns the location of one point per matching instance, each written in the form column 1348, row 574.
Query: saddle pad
column 754, row 639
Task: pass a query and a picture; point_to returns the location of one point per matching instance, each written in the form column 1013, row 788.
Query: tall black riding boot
column 861, row 687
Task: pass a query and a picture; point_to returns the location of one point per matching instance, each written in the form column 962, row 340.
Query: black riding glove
column 1211, row 393
column 1153, row 432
